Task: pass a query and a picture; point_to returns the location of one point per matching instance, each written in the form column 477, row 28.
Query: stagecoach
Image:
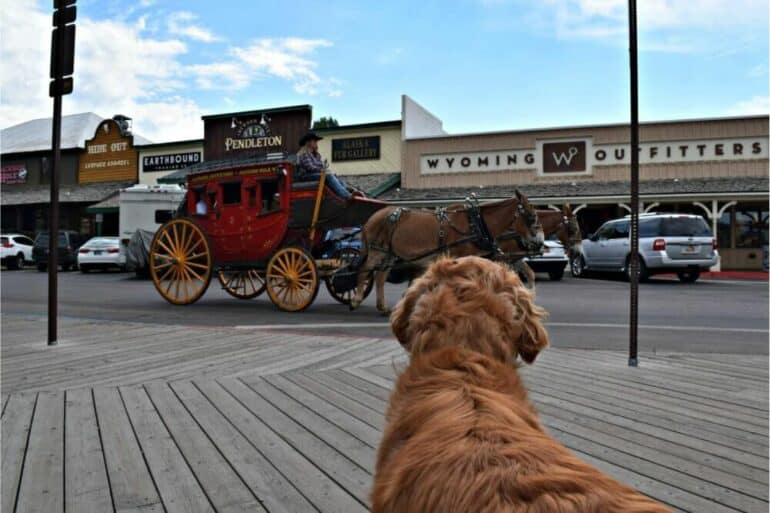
column 248, row 223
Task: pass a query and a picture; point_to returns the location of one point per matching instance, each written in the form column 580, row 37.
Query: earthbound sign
column 170, row 161
column 578, row 156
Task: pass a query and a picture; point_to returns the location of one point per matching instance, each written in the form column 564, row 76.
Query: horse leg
column 520, row 266
column 380, row 277
column 366, row 270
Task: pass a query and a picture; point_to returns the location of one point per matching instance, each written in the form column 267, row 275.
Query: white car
column 15, row 250
column 553, row 260
column 102, row 253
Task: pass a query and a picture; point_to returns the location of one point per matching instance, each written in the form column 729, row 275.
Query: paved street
column 708, row 316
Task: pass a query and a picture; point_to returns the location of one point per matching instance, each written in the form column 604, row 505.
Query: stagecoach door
column 266, row 205
column 226, row 226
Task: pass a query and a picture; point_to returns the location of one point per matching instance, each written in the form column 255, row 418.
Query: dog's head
column 473, row 303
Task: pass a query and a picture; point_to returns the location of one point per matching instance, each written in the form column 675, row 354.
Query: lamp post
column 633, row 360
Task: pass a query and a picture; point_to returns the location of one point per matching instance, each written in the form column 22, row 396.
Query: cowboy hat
column 310, row 136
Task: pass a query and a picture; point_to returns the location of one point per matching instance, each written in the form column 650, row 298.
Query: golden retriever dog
column 461, row 435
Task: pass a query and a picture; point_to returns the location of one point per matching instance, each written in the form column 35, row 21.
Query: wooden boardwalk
column 127, row 417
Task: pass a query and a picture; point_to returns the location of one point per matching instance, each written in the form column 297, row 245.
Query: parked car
column 340, row 239
column 15, row 250
column 668, row 243
column 69, row 243
column 102, row 253
column 553, row 260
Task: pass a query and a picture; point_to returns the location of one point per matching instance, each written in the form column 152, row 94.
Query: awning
column 110, row 205
column 581, row 190
column 79, row 193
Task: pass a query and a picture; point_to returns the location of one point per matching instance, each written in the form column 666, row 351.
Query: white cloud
column 669, row 26
column 287, row 59
column 180, row 24
column 125, row 67
column 754, row 105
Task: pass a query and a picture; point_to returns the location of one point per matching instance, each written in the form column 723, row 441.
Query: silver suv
column 668, row 243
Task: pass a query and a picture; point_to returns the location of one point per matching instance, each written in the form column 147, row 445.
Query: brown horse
column 563, row 224
column 414, row 238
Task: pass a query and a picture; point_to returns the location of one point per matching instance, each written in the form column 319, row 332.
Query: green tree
column 325, row 122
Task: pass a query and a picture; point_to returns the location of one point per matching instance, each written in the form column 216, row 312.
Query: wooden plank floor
column 137, row 418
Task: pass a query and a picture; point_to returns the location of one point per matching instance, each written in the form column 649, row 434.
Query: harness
column 478, row 234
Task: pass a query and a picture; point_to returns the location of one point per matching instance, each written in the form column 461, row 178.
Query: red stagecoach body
column 260, row 229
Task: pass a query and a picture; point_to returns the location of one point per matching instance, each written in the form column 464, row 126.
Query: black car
column 69, row 243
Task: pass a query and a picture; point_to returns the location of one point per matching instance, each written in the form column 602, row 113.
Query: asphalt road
column 707, row 316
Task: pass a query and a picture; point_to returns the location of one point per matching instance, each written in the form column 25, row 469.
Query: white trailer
column 136, row 224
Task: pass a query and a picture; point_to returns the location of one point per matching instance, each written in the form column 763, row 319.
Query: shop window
column 231, row 193
column 750, row 227
column 724, row 226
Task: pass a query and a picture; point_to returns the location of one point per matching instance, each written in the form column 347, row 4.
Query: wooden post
column 317, row 209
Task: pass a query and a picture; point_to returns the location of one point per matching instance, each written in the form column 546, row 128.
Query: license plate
column 97, row 252
column 689, row 250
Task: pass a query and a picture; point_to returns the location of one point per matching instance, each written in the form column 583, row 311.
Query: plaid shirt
column 309, row 163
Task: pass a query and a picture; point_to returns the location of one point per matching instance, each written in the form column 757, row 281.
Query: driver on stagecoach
column 310, row 164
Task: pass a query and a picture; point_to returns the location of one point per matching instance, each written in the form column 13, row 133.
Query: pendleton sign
column 578, row 156
column 356, row 148
column 109, row 157
column 248, row 134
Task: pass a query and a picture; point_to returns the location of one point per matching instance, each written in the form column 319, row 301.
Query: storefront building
column 159, row 160
column 717, row 168
column 97, row 160
column 367, row 156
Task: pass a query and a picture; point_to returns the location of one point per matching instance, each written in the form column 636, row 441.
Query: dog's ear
column 528, row 334
column 399, row 319
column 532, row 342
column 402, row 321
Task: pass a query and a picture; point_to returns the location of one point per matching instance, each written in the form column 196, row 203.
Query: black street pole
column 53, row 215
column 62, row 67
column 633, row 360
column 53, row 224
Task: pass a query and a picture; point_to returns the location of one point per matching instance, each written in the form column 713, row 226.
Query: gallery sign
column 13, row 174
column 578, row 156
column 109, row 157
column 356, row 148
column 170, row 161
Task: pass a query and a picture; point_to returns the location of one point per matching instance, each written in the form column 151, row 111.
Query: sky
column 479, row 65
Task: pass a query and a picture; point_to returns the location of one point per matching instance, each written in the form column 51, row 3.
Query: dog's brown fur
column 461, row 435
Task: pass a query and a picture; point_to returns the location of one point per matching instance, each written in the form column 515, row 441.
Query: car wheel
column 578, row 266
column 689, row 276
column 556, row 275
column 84, row 269
column 16, row 262
column 643, row 273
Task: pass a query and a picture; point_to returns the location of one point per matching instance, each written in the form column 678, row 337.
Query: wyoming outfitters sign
column 578, row 156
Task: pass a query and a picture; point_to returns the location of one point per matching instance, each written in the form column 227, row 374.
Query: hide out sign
column 255, row 133
column 356, row 148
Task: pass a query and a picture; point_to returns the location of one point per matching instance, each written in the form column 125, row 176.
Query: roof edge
column 256, row 112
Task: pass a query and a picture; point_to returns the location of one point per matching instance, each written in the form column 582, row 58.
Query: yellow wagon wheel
column 292, row 279
column 243, row 284
column 180, row 261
